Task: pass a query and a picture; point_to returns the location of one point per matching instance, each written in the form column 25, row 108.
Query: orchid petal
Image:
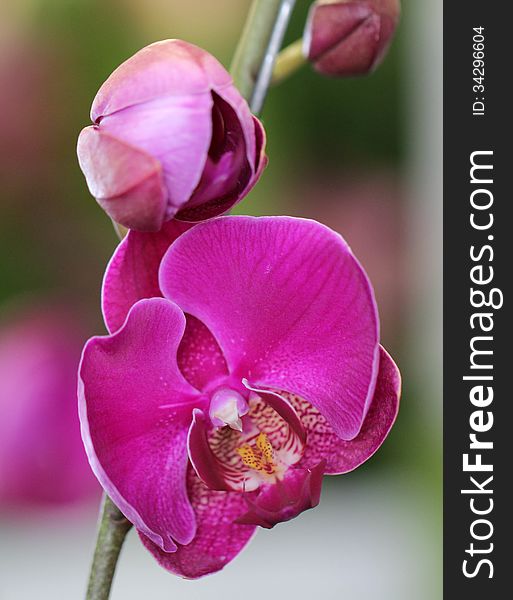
column 214, row 208
column 126, row 181
column 232, row 96
column 221, row 469
column 166, row 68
column 284, row 500
column 218, row 539
column 228, row 168
column 283, row 407
column 200, row 359
column 135, row 409
column 217, row 206
column 342, row 456
column 214, row 473
column 132, row 273
column 221, row 205
column 176, row 130
column 289, row 305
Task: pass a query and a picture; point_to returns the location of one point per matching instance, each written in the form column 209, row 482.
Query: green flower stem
column 250, row 51
column 252, row 72
column 288, row 61
column 112, row 531
column 260, row 42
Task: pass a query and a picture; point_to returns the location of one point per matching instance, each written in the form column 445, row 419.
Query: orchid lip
column 238, row 445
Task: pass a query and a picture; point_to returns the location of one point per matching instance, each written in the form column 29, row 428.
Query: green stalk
column 252, row 45
column 260, row 42
column 288, row 61
column 112, row 530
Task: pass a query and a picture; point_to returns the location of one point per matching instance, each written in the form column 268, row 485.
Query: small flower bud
column 172, row 137
column 349, row 37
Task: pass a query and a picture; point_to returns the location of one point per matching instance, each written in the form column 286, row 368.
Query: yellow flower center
column 259, row 457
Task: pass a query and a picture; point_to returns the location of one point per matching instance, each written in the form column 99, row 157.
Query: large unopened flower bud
column 172, row 137
column 349, row 37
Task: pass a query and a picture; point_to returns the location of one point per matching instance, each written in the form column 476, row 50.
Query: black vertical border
column 464, row 134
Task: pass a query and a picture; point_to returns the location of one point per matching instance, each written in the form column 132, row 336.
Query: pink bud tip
column 346, row 38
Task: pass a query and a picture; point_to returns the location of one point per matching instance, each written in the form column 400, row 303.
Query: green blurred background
column 361, row 155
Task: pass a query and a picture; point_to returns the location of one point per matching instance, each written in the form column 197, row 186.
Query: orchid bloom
column 172, row 137
column 243, row 364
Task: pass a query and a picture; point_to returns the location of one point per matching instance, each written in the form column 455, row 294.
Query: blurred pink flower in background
column 42, row 460
column 349, row 37
column 172, row 136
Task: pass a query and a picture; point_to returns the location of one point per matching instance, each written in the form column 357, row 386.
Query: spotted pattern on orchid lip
column 259, row 457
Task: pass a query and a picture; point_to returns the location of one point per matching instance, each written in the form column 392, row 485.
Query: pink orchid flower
column 172, row 137
column 42, row 459
column 243, row 364
column 344, row 38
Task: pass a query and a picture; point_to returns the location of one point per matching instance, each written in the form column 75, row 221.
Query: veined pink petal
column 200, row 359
column 126, row 181
column 135, row 409
column 289, row 305
column 165, row 68
column 176, row 131
column 132, row 273
column 218, row 539
column 342, row 456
